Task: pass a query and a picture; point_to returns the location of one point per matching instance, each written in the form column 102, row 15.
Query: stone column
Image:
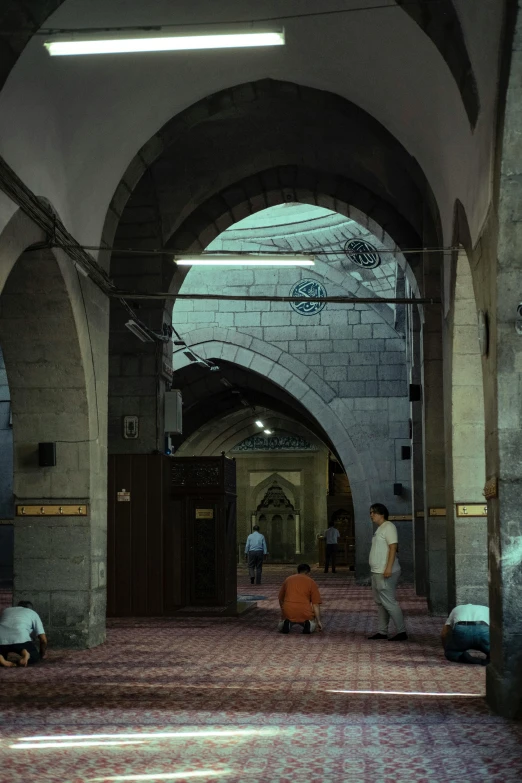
column 503, row 437
column 417, row 462
column 57, row 371
column 433, row 439
column 465, row 446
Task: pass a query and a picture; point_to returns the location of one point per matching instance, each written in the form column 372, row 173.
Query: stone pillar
column 433, row 440
column 503, row 441
column 57, row 372
column 465, row 446
column 417, row 462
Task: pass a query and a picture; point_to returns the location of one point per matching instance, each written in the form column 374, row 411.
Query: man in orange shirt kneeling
column 299, row 600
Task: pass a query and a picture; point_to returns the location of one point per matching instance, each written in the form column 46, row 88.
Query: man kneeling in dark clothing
column 19, row 625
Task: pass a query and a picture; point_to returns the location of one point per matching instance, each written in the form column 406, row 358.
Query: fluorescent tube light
column 163, row 43
column 139, row 331
column 260, row 424
column 81, row 269
column 267, row 432
column 232, row 259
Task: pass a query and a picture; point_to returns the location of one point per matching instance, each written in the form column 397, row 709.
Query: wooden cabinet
column 171, row 534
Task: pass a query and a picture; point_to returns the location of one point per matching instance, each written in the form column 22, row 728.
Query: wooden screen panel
column 111, row 539
column 121, row 566
column 140, row 489
column 231, row 550
column 135, row 536
column 174, row 555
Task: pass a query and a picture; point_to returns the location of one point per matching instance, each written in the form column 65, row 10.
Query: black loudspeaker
column 397, row 489
column 47, row 455
column 405, row 452
column 415, row 392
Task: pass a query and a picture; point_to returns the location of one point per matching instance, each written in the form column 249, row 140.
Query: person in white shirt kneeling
column 386, row 571
column 467, row 628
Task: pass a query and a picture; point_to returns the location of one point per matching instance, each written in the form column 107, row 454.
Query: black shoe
column 252, row 580
column 378, row 636
column 286, row 626
column 399, row 637
column 306, row 627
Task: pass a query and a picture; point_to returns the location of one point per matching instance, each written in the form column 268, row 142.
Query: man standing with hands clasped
column 386, row 571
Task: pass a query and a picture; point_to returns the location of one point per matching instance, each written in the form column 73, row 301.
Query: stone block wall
column 6, row 446
column 348, row 354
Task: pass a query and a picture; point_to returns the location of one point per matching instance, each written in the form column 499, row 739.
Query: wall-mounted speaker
column 47, row 455
column 415, row 392
column 397, row 489
column 405, row 452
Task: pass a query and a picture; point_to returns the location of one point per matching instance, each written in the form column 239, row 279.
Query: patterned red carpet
column 209, row 699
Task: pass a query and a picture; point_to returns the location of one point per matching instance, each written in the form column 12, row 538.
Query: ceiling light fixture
column 267, row 432
column 78, row 43
column 235, row 259
column 139, row 331
column 260, row 424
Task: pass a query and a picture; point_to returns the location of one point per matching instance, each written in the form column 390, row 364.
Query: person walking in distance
column 255, row 553
column 386, row 571
column 467, row 628
column 332, row 536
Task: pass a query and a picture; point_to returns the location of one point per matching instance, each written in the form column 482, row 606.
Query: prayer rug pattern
column 239, row 702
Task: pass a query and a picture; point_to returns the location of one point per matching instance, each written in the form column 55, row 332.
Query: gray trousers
column 387, row 605
column 255, row 564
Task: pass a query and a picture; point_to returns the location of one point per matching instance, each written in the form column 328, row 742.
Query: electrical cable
column 246, row 253
column 43, row 31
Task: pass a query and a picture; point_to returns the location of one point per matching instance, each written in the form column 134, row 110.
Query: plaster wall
column 381, row 49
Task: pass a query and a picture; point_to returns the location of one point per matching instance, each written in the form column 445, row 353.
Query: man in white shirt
column 332, row 537
column 19, row 625
column 386, row 571
column 255, row 552
column 467, row 628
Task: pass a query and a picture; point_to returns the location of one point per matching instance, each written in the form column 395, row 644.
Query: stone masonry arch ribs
column 292, row 138
column 336, row 418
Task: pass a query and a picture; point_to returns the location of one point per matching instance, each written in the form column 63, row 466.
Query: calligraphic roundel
column 311, row 289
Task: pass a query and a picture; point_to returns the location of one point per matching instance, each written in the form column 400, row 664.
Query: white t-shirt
column 468, row 613
column 332, row 535
column 19, row 624
column 385, row 535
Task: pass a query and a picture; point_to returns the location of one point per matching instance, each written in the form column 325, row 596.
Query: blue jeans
column 467, row 637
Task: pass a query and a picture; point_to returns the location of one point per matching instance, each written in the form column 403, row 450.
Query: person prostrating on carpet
column 467, row 628
column 299, row 599
column 18, row 626
column 386, row 571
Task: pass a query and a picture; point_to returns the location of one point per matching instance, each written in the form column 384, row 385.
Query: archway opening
column 337, row 368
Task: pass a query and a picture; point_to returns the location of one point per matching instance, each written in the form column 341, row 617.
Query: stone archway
column 54, row 374
column 336, row 418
